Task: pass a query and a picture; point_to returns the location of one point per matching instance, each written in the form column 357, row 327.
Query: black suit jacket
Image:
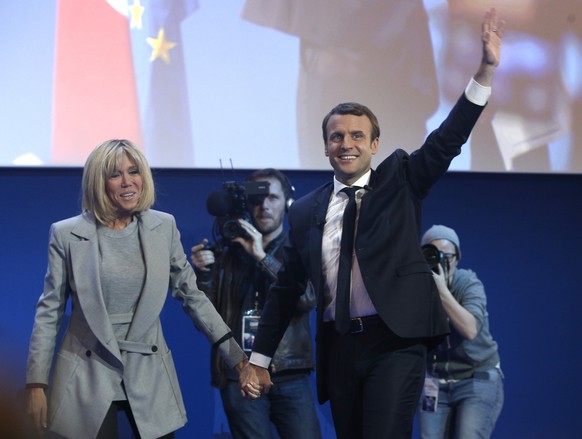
column 393, row 268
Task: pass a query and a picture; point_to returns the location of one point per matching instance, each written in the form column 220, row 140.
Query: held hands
column 253, row 244
column 37, row 409
column 240, row 366
column 254, row 380
column 201, row 257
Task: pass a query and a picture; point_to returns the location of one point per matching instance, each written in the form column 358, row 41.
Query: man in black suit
column 372, row 367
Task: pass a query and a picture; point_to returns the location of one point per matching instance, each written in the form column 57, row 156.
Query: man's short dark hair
column 355, row 109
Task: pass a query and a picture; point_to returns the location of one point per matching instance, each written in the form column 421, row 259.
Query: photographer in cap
column 236, row 279
column 463, row 391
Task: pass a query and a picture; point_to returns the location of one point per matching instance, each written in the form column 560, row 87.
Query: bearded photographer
column 463, row 391
column 237, row 278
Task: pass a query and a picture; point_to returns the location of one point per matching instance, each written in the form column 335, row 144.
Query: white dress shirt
column 360, row 303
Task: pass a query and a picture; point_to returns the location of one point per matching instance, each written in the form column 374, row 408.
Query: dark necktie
column 344, row 275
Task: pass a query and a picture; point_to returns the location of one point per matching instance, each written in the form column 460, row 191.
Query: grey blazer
column 90, row 363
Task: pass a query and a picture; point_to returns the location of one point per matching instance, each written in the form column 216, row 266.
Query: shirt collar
column 362, row 181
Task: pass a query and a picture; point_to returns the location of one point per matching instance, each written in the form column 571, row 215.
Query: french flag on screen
column 119, row 72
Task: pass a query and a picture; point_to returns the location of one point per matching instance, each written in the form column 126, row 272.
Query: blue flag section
column 160, row 77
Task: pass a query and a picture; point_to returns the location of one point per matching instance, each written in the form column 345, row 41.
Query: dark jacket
column 237, row 283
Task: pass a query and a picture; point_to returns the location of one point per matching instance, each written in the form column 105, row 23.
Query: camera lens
column 433, row 256
column 231, row 229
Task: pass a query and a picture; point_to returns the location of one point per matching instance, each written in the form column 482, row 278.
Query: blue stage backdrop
column 519, row 232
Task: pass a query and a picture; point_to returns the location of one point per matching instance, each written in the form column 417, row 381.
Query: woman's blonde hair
column 101, row 164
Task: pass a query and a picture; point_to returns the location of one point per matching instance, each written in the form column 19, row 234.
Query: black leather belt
column 362, row 324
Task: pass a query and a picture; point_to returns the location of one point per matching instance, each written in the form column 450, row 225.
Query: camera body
column 434, row 257
column 232, row 204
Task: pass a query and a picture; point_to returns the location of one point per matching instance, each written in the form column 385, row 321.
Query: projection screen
column 245, row 84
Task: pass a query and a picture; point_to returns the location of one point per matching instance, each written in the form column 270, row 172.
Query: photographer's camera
column 433, row 257
column 232, row 204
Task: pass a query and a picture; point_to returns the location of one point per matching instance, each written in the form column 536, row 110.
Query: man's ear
column 374, row 146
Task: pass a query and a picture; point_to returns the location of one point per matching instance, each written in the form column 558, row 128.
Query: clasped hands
column 254, row 381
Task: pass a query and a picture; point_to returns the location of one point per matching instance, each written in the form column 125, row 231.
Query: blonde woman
column 115, row 262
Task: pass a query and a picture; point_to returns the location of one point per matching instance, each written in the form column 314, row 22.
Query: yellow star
column 161, row 46
column 136, row 12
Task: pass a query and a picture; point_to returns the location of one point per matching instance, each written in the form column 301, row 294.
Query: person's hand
column 492, row 30
column 201, row 257
column 240, row 366
column 491, row 34
column 37, row 408
column 254, row 380
column 463, row 321
column 253, row 244
column 441, row 282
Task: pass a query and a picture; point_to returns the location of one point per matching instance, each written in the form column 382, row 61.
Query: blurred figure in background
column 373, row 51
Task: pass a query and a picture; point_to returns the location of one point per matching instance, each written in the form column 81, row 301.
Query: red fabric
column 95, row 96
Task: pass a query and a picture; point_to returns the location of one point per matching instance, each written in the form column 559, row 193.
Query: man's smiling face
column 349, row 146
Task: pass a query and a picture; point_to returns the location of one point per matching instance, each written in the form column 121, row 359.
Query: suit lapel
column 370, row 187
column 156, row 259
column 85, row 267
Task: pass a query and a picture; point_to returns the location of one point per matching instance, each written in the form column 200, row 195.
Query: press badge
column 430, row 394
column 250, row 324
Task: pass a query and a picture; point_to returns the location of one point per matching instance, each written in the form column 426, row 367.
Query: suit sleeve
column 432, row 160
column 282, row 299
column 50, row 309
column 197, row 305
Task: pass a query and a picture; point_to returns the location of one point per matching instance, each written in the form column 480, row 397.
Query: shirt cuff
column 260, row 360
column 477, row 93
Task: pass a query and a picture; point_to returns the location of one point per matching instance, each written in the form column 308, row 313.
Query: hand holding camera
column 434, row 257
column 202, row 256
column 440, row 279
column 439, row 265
column 251, row 240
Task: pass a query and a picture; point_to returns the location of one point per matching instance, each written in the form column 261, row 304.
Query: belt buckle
column 360, row 327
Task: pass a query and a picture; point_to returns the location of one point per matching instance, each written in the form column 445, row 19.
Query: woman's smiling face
column 124, row 187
